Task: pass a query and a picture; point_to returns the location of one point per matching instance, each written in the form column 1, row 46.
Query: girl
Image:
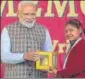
column 74, row 65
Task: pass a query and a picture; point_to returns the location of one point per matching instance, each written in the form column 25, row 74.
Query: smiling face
column 27, row 13
column 72, row 32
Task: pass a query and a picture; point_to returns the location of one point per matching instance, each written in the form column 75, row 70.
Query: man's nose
column 29, row 17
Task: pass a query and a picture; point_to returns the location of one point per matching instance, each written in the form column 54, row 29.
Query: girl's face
column 72, row 32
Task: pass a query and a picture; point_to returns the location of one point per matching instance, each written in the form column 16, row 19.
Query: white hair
column 35, row 3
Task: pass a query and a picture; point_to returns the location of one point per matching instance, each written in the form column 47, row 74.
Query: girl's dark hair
column 84, row 31
column 75, row 22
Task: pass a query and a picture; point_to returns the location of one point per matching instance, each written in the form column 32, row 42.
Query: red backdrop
column 62, row 10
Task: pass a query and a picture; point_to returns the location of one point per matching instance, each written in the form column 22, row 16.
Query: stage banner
column 53, row 15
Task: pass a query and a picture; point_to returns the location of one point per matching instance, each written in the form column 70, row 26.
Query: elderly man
column 20, row 42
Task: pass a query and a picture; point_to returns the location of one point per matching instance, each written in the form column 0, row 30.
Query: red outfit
column 75, row 66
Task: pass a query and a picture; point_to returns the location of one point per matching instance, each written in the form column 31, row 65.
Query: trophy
column 46, row 61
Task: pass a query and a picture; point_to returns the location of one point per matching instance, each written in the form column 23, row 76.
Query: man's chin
column 27, row 24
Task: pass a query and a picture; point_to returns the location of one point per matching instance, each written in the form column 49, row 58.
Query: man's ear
column 18, row 14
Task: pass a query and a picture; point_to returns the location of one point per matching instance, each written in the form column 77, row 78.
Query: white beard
column 27, row 24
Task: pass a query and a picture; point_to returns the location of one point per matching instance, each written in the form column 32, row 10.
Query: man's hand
column 31, row 56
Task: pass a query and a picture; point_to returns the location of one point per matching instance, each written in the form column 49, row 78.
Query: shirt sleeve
column 6, row 55
column 48, row 43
